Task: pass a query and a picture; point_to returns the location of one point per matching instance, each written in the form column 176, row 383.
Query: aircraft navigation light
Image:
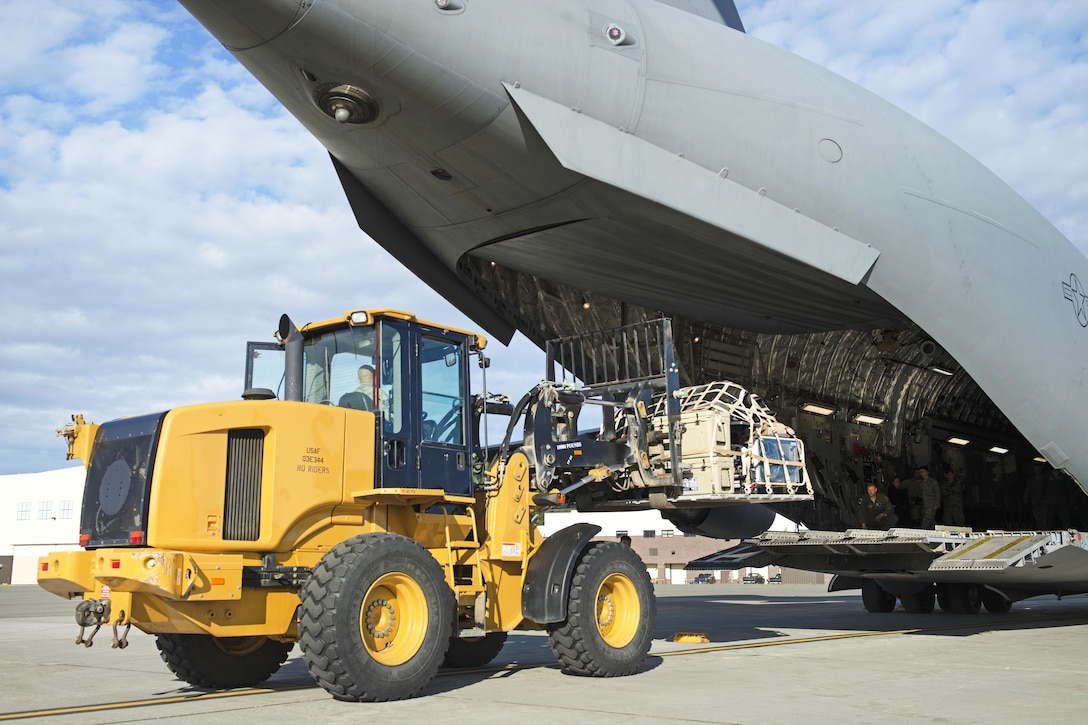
column 998, row 449
column 818, row 408
column 958, row 441
column 868, row 419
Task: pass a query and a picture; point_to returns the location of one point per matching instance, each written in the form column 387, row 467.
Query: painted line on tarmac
column 150, row 701
column 495, row 670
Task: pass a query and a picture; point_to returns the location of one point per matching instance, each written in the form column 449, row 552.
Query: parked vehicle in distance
column 753, row 579
column 776, row 579
column 703, row 579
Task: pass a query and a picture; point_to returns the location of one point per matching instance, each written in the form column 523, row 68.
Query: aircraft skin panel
column 686, row 267
column 589, row 147
column 986, row 278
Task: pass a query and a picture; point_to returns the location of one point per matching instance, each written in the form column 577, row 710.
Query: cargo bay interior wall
column 897, row 375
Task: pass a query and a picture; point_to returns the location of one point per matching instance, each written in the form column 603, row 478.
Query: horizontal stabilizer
column 589, row 147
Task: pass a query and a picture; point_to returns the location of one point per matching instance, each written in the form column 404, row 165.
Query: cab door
column 445, row 459
column 397, row 405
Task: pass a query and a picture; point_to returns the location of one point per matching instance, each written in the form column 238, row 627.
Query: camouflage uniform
column 914, row 496
column 952, row 500
column 931, row 500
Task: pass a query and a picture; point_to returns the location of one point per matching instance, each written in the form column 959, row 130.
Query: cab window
column 443, row 391
column 332, row 363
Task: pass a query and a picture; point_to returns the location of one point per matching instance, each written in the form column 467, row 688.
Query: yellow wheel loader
column 350, row 504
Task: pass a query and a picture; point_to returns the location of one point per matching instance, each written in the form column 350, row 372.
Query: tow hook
column 91, row 612
column 122, row 641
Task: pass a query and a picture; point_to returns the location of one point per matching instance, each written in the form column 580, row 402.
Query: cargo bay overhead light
column 818, row 408
column 869, row 419
column 958, row 441
column 998, row 449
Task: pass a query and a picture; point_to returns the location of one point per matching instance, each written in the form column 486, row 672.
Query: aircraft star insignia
column 1074, row 292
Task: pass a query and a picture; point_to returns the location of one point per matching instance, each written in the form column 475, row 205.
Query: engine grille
column 115, row 497
column 242, row 501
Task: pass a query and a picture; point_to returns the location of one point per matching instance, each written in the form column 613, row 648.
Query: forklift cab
column 418, row 394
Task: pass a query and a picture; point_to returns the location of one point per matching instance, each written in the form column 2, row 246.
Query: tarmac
column 776, row 653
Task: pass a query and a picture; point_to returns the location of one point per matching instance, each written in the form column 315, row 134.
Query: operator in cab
column 362, row 398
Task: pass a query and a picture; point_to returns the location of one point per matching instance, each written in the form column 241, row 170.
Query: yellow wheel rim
column 239, row 646
column 618, row 610
column 393, row 619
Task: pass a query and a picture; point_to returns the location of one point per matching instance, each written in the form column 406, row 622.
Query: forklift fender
column 547, row 577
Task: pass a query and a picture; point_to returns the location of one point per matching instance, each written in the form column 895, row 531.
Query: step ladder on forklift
column 465, row 553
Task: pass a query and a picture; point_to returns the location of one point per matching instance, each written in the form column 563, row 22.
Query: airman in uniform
column 876, row 510
column 952, row 500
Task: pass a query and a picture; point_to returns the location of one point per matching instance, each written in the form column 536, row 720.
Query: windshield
column 339, row 367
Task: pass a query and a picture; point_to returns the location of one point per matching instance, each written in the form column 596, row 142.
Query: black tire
column 222, row 663
column 875, row 599
column 611, row 611
column 377, row 616
column 474, row 652
column 943, row 598
column 920, row 602
column 960, row 598
column 995, row 602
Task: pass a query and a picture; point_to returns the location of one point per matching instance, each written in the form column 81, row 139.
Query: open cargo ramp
column 1039, row 561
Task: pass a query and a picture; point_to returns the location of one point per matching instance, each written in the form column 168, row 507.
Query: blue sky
column 158, row 208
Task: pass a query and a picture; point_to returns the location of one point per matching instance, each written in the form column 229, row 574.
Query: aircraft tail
column 720, row 11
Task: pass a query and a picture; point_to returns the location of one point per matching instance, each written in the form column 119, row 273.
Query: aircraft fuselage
column 652, row 156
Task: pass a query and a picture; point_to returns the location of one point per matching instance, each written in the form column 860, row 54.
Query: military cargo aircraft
column 560, row 167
